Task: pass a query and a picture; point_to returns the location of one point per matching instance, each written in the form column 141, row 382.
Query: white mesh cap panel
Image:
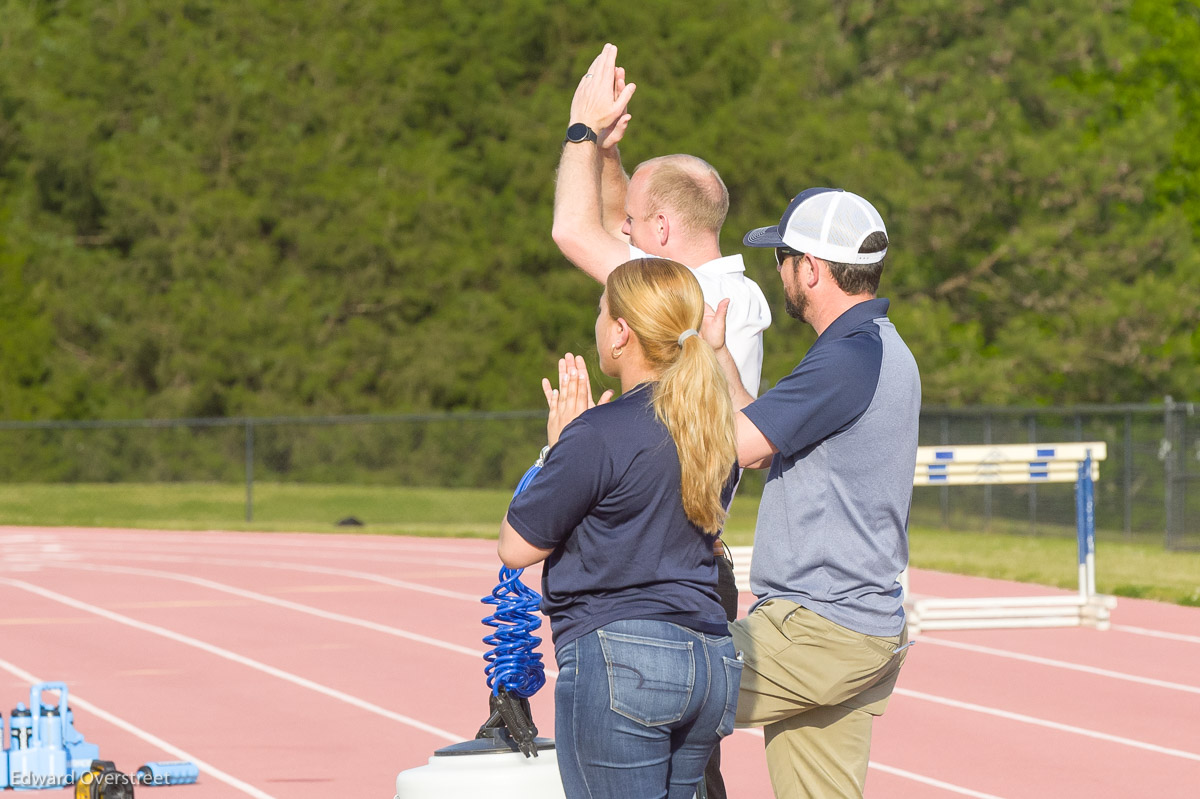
column 833, row 225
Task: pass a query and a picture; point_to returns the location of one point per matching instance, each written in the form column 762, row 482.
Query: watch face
column 580, row 132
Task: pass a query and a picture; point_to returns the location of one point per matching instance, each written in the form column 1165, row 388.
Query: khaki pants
column 814, row 686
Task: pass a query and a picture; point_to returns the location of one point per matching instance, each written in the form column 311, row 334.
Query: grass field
column 1142, row 570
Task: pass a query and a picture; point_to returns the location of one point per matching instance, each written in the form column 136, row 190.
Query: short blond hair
column 690, row 188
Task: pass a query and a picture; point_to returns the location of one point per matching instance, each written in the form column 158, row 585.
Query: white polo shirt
column 748, row 314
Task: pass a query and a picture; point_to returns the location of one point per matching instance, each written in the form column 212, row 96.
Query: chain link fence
column 1149, row 486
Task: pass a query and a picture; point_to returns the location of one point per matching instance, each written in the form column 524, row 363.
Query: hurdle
column 1075, row 462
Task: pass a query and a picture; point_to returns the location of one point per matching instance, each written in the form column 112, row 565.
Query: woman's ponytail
column 662, row 301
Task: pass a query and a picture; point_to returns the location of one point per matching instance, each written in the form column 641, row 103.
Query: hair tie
column 685, row 335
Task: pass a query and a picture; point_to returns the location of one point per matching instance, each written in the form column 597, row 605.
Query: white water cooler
column 485, row 768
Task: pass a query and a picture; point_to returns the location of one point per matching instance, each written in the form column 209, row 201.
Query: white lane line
column 398, row 544
column 295, row 679
column 282, row 565
column 908, row 775
column 1059, row 664
column 150, row 738
column 945, row 786
column 250, row 545
column 435, row 591
column 253, row 558
column 1053, row 725
column 270, row 600
column 1123, row 628
column 282, row 603
column 375, row 578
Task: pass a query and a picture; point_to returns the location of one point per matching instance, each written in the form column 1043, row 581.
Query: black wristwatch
column 579, row 132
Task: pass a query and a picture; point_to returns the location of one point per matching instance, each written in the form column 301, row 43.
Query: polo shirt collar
column 856, row 315
column 726, row 265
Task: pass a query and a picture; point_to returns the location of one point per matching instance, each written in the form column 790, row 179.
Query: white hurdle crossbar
column 1076, row 462
column 1018, row 463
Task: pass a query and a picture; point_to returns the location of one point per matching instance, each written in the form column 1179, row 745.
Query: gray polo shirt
column 832, row 532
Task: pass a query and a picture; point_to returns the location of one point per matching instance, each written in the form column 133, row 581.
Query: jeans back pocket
column 649, row 680
column 733, row 680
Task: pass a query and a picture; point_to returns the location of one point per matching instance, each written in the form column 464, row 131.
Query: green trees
column 223, row 208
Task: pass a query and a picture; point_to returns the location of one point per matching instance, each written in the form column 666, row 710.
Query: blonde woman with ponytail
column 625, row 512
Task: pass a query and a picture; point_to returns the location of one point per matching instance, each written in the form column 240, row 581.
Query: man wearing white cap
column 824, row 643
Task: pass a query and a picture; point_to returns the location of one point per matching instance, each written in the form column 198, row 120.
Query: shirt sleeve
column 825, row 394
column 748, row 316
column 570, row 484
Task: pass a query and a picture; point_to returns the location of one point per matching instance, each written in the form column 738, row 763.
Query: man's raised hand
column 602, row 97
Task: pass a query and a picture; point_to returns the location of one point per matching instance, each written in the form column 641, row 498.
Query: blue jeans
column 639, row 706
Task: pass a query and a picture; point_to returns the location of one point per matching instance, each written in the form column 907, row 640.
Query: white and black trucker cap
column 831, row 224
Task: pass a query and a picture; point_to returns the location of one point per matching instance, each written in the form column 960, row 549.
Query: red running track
column 296, row 665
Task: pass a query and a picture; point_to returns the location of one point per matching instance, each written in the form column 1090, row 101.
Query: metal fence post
column 1173, row 453
column 1127, row 488
column 945, row 498
column 1167, row 456
column 249, row 470
column 1033, row 488
column 1186, row 475
column 987, row 489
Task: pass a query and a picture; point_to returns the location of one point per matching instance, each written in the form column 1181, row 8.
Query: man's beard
column 796, row 306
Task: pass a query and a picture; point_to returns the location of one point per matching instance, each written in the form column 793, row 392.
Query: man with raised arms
column 673, row 207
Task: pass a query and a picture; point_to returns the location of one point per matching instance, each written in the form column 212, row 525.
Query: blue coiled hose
column 512, row 661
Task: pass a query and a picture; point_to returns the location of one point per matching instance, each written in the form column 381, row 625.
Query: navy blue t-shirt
column 608, row 502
